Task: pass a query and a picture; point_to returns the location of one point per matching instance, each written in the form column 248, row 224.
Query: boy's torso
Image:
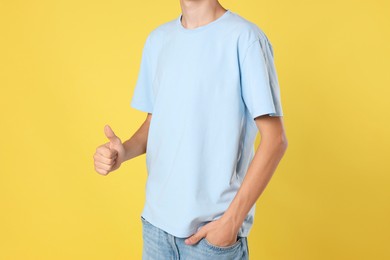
column 201, row 137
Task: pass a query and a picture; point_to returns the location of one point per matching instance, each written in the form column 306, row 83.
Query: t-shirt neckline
column 203, row 27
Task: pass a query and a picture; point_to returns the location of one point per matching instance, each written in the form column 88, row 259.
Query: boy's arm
column 136, row 145
column 270, row 151
column 268, row 154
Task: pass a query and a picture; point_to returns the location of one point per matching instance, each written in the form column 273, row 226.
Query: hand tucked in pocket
column 219, row 232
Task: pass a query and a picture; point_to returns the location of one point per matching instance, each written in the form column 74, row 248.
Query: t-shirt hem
column 176, row 233
column 141, row 107
column 271, row 112
column 171, row 231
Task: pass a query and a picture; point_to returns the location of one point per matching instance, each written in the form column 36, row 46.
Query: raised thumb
column 111, row 135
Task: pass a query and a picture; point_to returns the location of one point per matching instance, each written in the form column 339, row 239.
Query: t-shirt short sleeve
column 143, row 92
column 259, row 82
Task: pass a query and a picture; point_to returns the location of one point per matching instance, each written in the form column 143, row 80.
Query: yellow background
column 70, row 67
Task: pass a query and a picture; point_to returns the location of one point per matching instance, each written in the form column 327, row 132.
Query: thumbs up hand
column 109, row 156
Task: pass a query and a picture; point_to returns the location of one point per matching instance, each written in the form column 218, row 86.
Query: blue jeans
column 158, row 244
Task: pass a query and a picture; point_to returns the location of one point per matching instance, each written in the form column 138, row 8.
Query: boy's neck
column 199, row 13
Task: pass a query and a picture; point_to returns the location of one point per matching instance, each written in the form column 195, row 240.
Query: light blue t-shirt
column 204, row 87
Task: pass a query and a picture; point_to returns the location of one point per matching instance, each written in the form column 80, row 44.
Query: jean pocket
column 223, row 248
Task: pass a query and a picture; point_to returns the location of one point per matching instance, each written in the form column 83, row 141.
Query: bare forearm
column 136, row 145
column 260, row 171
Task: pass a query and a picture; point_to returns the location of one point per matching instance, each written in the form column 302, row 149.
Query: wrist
column 126, row 148
column 232, row 221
